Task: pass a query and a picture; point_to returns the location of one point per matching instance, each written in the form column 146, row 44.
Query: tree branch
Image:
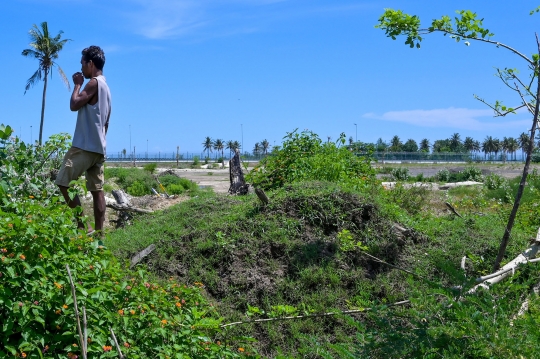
column 310, row 315
column 498, row 44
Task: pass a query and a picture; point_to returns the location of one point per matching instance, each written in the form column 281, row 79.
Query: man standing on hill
column 88, row 150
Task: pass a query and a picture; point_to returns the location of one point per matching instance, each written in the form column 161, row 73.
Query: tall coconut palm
column 424, row 145
column 524, row 141
column 488, row 145
column 395, row 144
column 237, row 146
column 257, row 149
column 505, row 145
column 497, row 146
column 219, row 145
column 468, row 144
column 46, row 50
column 207, row 145
column 455, row 142
column 230, row 146
column 476, row 146
column 265, row 145
column 513, row 146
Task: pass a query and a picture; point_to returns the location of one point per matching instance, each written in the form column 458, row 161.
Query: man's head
column 92, row 61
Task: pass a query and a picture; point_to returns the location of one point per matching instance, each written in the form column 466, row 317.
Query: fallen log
column 118, row 207
column 140, row 256
column 528, row 256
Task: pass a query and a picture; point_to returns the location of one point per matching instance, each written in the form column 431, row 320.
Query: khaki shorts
column 76, row 162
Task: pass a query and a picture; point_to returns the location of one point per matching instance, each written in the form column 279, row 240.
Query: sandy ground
column 217, row 179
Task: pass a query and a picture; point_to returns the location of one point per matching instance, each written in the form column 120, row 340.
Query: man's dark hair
column 96, row 54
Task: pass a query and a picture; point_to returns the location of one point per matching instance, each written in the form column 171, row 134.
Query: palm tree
column 424, row 145
column 513, row 146
column 468, row 144
column 207, row 145
column 395, row 144
column 488, row 145
column 497, row 146
column 455, row 142
column 476, row 146
column 265, row 145
column 257, row 149
column 45, row 49
column 236, row 146
column 524, row 141
column 219, row 145
column 124, row 152
column 230, row 146
column 505, row 144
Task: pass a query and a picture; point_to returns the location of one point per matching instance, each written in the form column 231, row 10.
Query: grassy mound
column 300, row 254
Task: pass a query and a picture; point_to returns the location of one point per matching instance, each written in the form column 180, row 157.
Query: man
column 88, row 150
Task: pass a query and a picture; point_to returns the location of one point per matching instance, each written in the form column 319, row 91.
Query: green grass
column 288, row 253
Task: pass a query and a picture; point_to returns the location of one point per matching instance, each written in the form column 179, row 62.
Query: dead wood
column 452, row 209
column 262, row 196
column 140, row 256
column 238, row 184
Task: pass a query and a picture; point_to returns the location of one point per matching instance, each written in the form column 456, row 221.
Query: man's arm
column 107, row 123
column 79, row 99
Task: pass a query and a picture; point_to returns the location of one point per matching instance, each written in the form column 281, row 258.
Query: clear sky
column 181, row 70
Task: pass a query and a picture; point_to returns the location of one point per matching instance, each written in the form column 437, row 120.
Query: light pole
column 147, row 148
column 242, row 131
column 130, row 153
column 356, row 134
column 31, row 140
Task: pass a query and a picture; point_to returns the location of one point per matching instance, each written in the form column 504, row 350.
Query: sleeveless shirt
column 91, row 121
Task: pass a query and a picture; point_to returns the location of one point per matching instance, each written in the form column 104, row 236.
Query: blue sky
column 181, row 70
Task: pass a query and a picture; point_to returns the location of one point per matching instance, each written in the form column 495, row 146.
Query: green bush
column 472, row 173
column 443, row 175
column 400, row 173
column 150, row 167
column 304, row 157
column 137, row 189
column 38, row 237
column 196, row 160
column 139, row 181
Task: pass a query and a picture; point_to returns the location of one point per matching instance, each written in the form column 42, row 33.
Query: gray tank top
column 91, row 121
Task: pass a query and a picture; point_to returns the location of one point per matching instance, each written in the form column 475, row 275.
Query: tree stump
column 238, row 184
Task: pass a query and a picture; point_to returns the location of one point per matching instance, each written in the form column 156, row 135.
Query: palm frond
column 32, row 80
column 63, row 77
column 31, row 53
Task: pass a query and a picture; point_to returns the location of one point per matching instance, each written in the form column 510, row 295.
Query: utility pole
column 177, row 155
column 131, row 154
column 147, row 148
column 242, row 131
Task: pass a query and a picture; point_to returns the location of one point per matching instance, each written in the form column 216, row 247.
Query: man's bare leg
column 99, row 210
column 73, row 203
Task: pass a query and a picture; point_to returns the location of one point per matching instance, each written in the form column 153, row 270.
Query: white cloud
column 458, row 118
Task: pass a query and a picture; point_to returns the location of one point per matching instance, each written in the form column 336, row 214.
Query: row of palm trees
column 219, row 145
column 490, row 145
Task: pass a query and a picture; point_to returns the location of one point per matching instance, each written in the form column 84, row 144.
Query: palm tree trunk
column 43, row 107
column 512, row 217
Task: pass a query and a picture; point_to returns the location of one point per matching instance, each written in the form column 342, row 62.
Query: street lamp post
column 356, row 133
column 147, row 148
column 242, row 131
column 131, row 153
column 31, row 139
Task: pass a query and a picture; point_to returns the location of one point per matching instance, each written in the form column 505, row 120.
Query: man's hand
column 78, row 78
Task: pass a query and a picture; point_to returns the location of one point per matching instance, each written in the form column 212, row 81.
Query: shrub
column 127, row 177
column 150, row 167
column 472, row 173
column 494, row 181
column 177, row 185
column 196, row 160
column 400, row 173
column 443, row 175
column 38, row 237
column 304, row 156
column 137, row 189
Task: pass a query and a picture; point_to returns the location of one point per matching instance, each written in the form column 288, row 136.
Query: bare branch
column 116, row 344
column 522, row 84
column 81, row 337
column 311, row 315
column 498, row 44
column 525, row 102
column 498, row 113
